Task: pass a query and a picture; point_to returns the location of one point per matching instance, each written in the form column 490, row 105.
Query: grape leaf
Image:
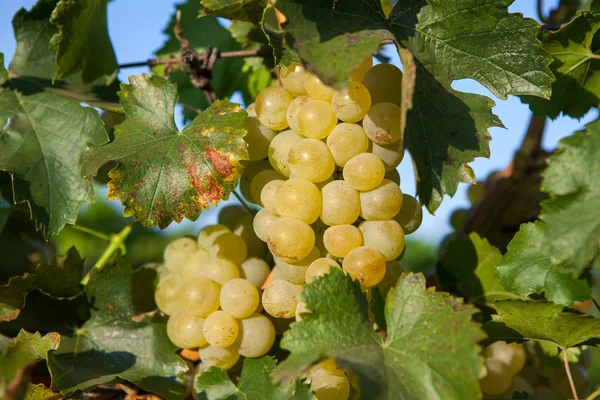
column 443, row 364
column 241, row 10
column 38, row 392
column 165, row 175
column 82, row 43
column 255, row 383
column 576, row 66
column 110, row 344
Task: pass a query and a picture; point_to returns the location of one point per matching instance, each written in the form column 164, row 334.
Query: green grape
column 364, row 171
column 260, row 181
column 290, row 239
column 243, row 227
column 346, row 141
column 295, row 272
column 177, row 252
column 328, row 383
column 365, row 264
column 393, row 176
column 255, row 270
column 280, row 298
column 226, row 358
column 195, row 263
column 316, row 119
column 518, row 384
column 293, row 79
column 209, row 234
column 387, row 237
column 250, row 171
column 393, row 270
column 352, row 104
column 359, row 72
column 458, row 218
column 258, row 138
column 293, row 110
column 311, row 159
column 560, row 382
column 511, row 354
column 410, row 215
column 317, row 89
column 220, row 270
column 498, row 377
column 384, row 82
column 279, row 151
column 301, row 309
column 341, row 204
column 340, row 240
column 186, row 330
column 167, row 292
column 220, row 329
column 476, row 192
column 391, row 154
column 382, row 123
column 320, row 267
column 299, row 198
column 268, row 195
column 239, row 298
column 199, row 296
column 256, row 336
column 231, row 247
column 381, row 203
column 271, row 107
column 262, row 223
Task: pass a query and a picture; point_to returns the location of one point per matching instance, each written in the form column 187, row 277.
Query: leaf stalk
column 117, row 242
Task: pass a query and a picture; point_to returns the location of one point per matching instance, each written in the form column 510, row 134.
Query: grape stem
column 91, row 231
column 568, row 370
column 117, row 241
column 243, row 203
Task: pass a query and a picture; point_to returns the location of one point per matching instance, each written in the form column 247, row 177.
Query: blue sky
column 136, row 29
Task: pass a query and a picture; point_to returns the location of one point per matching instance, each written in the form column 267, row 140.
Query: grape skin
column 200, row 296
column 384, row 83
column 382, row 123
column 166, row 294
column 280, row 298
column 259, row 138
column 328, row 383
column 231, row 247
column 381, row 203
column 255, row 270
column 220, row 270
column 220, row 329
column 268, row 193
column 316, row 119
column 497, row 379
column 341, row 239
column 391, row 154
column 271, row 107
column 320, row 267
column 341, row 204
column 256, row 336
column 293, row 110
column 410, row 215
column 260, row 181
column 317, row 89
column 290, row 239
column 365, row 264
column 311, row 159
column 387, row 237
column 195, row 263
column 352, row 104
column 364, row 172
column 296, row 272
column 359, row 72
column 346, row 141
column 226, row 358
column 239, row 298
column 298, row 198
column 262, row 223
column 293, row 79
column 186, row 330
column 177, row 252
column 279, row 150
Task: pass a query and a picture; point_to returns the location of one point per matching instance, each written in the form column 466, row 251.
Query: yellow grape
column 352, row 104
column 381, row 203
column 231, row 247
column 279, row 150
column 346, row 141
column 382, row 123
column 497, row 379
column 476, row 193
column 209, row 234
column 262, row 223
column 260, row 181
column 255, row 270
column 226, row 357
column 365, row 264
column 258, row 139
column 518, row 384
column 293, row 110
column 200, row 296
column 316, row 119
column 290, row 239
column 293, row 79
column 177, row 252
column 220, row 329
column 268, row 195
column 410, row 215
column 328, row 383
column 195, row 263
column 271, row 107
column 359, row 73
column 320, row 267
column 186, row 330
column 256, row 336
column 298, row 198
column 391, row 154
column 317, row 89
column 364, row 171
column 384, row 82
column 341, row 239
column 280, row 298
column 167, row 292
column 311, row 159
column 239, row 297
column 220, row 270
column 387, row 237
column 301, row 309
column 341, row 204
column 296, row 272
column 250, row 171
column 511, row 354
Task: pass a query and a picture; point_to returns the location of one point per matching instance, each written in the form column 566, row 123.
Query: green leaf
column 82, row 43
column 111, row 345
column 548, row 322
column 444, row 362
column 38, row 392
column 165, row 175
column 242, row 10
column 214, row 384
column 576, row 67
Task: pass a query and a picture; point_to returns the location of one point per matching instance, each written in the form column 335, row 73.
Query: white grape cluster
column 210, row 289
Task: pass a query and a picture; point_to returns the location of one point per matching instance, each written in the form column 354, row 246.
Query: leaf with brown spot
column 164, row 175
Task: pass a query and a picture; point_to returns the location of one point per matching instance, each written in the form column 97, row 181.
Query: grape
column 497, row 379
column 341, row 204
column 410, row 215
column 364, row 171
column 220, row 270
column 226, row 358
column 393, row 270
column 255, row 270
column 271, row 107
column 280, row 298
column 384, row 82
column 393, row 176
column 316, row 119
column 345, row 141
column 166, row 294
column 177, row 252
column 458, row 218
column 185, row 330
column 328, row 383
column 341, row 239
column 290, row 239
column 382, row 123
column 199, row 296
column 301, row 309
column 511, row 354
column 279, row 150
column 311, row 159
column 260, row 181
column 365, row 264
column 544, row 392
column 258, row 138
column 262, row 223
column 519, row 384
column 292, row 112
column 359, row 72
column 239, row 298
column 317, row 89
column 299, row 198
column 560, row 383
column 352, row 104
column 320, row 267
column 387, row 237
column 391, row 154
column 268, row 193
column 195, row 263
column 220, row 329
column 293, row 79
column 243, row 227
column 475, row 193
column 251, row 110
column 209, row 234
column 295, row 272
column 256, row 336
column 381, row 203
column 231, row 247
column 250, row 171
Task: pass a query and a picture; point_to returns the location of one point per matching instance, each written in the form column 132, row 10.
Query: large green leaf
column 444, row 362
column 576, row 67
column 241, row 10
column 165, row 175
column 110, row 344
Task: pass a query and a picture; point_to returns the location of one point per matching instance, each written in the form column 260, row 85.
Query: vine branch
column 568, row 370
column 117, row 241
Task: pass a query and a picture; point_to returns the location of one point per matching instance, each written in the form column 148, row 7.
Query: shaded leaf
column 4, row 212
column 242, row 10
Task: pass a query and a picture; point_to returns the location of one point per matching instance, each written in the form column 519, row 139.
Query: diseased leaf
column 443, row 364
column 241, row 10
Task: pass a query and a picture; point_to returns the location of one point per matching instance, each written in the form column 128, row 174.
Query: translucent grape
column 293, row 110
column 250, row 171
column 519, row 384
column 209, row 234
column 199, row 296
column 311, row 159
column 231, row 247
column 251, row 110
column 195, row 263
column 410, row 215
column 352, row 104
column 497, row 379
column 295, row 272
column 244, row 228
column 301, row 309
column 391, row 155
column 316, row 119
column 299, row 198
column 317, row 89
column 268, row 193
column 280, row 298
column 341, row 204
column 226, row 358
column 256, row 336
column 364, row 171
column 167, row 292
column 381, row 203
column 220, row 329
column 341, row 239
column 384, row 82
column 220, row 270
column 328, row 383
column 393, row 270
column 177, row 252
column 511, row 354
column 320, row 267
column 365, row 264
column 359, row 72
column 387, row 237
column 345, row 141
column 279, row 151
column 260, row 181
column 258, row 138
column 290, row 239
column 382, row 123
column 271, row 107
column 239, row 298
column 255, row 270
column 185, row 330
column 262, row 223
column 293, row 79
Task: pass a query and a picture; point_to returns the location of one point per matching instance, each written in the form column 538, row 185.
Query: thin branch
column 90, row 231
column 244, row 203
column 116, row 243
column 568, row 370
